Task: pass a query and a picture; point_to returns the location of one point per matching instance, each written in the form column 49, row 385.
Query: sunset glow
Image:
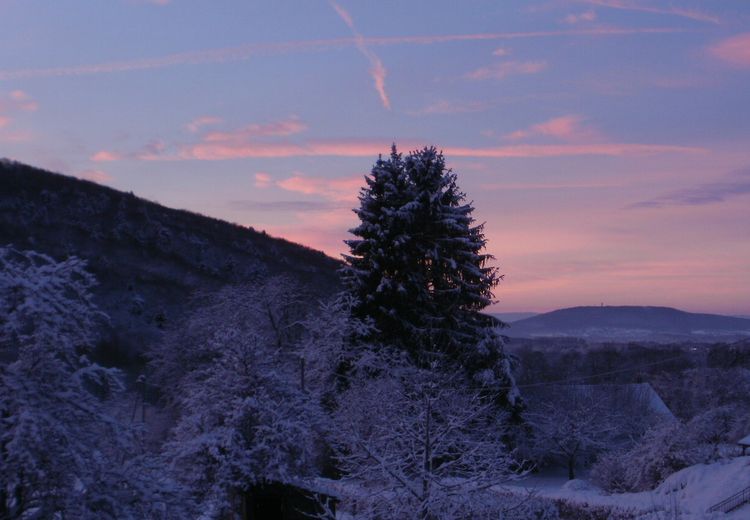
column 605, row 143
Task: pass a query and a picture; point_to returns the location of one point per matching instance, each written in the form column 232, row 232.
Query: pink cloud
column 253, row 141
column 586, row 16
column 628, row 5
column 23, row 101
column 106, row 156
column 377, row 69
column 221, row 151
column 12, row 104
column 286, row 127
column 262, row 180
column 373, row 148
column 568, row 128
column 500, row 51
column 98, row 176
column 152, row 150
column 16, row 101
column 504, row 69
column 345, row 189
column 216, row 145
column 239, row 146
column 567, row 150
column 734, row 51
column 564, row 127
column 199, row 122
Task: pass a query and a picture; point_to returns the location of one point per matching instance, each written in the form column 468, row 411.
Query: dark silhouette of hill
column 149, row 260
column 510, row 317
column 630, row 323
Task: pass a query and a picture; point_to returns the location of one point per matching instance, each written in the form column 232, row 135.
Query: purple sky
column 605, row 143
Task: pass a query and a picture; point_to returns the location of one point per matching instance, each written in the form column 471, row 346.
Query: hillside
column 630, row 323
column 510, row 317
column 149, row 260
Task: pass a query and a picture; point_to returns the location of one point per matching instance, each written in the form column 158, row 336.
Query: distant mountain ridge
column 510, row 317
column 149, row 260
column 625, row 323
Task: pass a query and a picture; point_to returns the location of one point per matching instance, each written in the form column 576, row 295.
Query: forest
column 381, row 392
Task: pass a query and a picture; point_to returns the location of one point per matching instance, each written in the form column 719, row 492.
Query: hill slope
column 630, row 323
column 510, row 317
column 149, row 259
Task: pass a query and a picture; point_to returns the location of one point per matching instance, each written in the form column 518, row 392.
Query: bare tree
column 572, row 423
column 63, row 451
column 243, row 417
column 414, row 444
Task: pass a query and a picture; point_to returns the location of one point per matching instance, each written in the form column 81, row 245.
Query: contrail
column 245, row 52
column 625, row 5
column 377, row 69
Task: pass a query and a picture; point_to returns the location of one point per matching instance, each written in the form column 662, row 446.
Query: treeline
column 545, row 360
column 588, row 406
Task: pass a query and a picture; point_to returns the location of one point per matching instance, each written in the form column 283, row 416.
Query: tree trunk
column 427, row 465
column 3, row 501
column 571, row 467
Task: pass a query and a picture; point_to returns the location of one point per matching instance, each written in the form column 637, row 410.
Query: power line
column 558, row 381
column 592, row 376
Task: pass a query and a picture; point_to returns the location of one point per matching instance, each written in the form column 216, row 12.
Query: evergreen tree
column 375, row 270
column 449, row 274
column 418, row 268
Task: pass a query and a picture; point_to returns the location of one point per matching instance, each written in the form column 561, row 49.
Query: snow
column 699, row 487
column 578, row 484
column 689, row 493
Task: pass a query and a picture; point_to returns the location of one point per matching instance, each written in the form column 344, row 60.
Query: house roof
column 744, row 441
column 644, row 392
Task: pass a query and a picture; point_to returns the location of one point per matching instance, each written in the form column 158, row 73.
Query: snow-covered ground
column 685, row 495
column 699, row 487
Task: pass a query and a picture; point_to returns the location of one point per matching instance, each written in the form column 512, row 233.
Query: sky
column 605, row 144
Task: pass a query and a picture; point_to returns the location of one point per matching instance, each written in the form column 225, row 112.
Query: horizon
column 537, row 313
column 603, row 142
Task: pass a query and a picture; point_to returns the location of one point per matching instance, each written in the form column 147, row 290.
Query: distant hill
column 630, row 323
column 510, row 317
column 149, row 259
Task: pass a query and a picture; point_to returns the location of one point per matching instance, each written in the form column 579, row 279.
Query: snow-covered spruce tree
column 376, row 271
column 418, row 267
column 63, row 453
